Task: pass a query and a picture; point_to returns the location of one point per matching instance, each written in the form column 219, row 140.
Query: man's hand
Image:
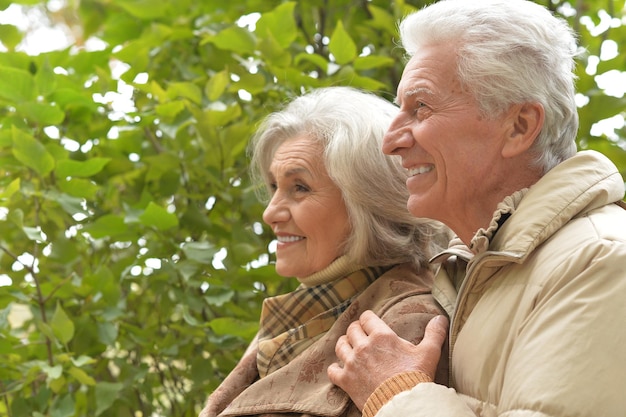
column 371, row 352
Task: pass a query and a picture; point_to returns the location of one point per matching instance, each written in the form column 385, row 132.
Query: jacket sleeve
column 390, row 387
column 427, row 399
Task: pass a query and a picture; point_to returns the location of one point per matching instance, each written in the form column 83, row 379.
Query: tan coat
column 403, row 300
column 539, row 325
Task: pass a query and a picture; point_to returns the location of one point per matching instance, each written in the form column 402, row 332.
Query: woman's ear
column 525, row 122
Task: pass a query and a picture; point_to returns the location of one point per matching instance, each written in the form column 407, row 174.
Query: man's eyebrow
column 413, row 92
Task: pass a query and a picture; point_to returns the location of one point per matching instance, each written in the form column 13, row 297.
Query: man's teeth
column 287, row 239
column 420, row 170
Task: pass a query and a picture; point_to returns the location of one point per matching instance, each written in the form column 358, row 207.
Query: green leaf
column 4, row 317
column 157, row 216
column 16, row 85
column 16, row 216
column 342, row 46
column 603, row 106
column 372, row 61
column 79, row 187
column 252, row 83
column 274, row 53
column 6, row 138
column 279, row 24
column 42, row 113
column 187, row 268
column 233, row 326
column 189, row 319
column 145, row 9
column 10, row 36
column 216, row 85
column 57, row 386
column 34, row 233
column 218, row 296
column 53, row 372
column 62, row 325
column 106, row 394
column 186, row 90
column 65, row 407
column 107, row 333
column 45, row 79
column 82, row 360
column 9, row 190
column 81, row 376
column 315, row 59
column 31, row 152
column 201, row 252
column 71, row 205
column 45, row 329
column 348, row 74
column 69, row 98
column 236, row 39
column 382, row 19
column 171, row 109
column 107, row 225
column 217, row 116
column 70, row 168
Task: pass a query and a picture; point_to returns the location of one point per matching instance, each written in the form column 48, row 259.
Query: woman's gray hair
column 509, row 52
column 350, row 125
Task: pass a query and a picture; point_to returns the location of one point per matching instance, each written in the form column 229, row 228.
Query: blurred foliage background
column 133, row 260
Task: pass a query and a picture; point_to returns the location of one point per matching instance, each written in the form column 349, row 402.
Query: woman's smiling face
column 306, row 212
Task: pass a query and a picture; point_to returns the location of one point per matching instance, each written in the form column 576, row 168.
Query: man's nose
column 395, row 136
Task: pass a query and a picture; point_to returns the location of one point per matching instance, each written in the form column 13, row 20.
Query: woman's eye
column 301, row 188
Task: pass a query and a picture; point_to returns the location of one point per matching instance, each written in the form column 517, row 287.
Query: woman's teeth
column 420, row 170
column 287, row 239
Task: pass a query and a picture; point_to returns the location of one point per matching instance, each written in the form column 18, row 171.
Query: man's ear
column 525, row 121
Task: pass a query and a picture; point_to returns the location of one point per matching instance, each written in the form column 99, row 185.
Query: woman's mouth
column 288, row 239
column 420, row 170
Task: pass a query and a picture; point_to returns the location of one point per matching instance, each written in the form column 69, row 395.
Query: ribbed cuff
column 389, row 388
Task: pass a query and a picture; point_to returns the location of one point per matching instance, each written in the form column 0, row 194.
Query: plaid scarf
column 291, row 322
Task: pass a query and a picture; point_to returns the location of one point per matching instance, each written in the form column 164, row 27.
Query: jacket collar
column 576, row 186
column 526, row 218
column 529, row 217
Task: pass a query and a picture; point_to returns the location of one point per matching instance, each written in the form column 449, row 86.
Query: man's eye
column 301, row 188
column 421, row 110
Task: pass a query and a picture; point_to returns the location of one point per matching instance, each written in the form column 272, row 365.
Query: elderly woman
column 338, row 209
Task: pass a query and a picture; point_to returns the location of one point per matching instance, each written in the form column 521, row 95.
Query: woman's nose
column 275, row 211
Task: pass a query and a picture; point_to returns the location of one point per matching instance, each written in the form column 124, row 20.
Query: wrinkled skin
column 370, row 352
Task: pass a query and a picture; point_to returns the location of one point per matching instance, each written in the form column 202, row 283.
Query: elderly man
column 535, row 284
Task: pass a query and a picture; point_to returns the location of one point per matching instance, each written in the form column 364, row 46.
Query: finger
column 342, row 346
column 355, row 333
column 434, row 336
column 335, row 373
column 371, row 323
column 436, row 331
